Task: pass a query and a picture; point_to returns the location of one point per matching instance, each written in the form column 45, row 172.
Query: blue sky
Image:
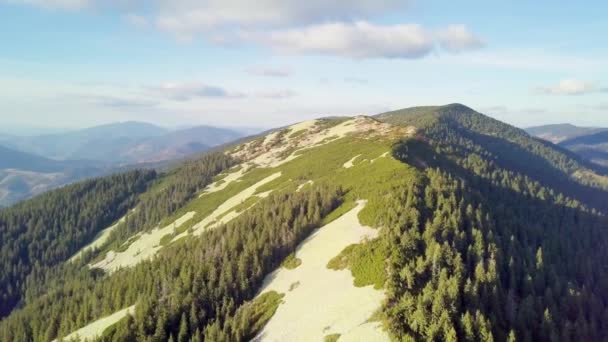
column 75, row 63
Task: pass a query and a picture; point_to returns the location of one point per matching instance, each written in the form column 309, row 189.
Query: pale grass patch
column 223, row 183
column 143, row 248
column 383, row 155
column 325, row 301
column 95, row 329
column 301, row 186
column 99, row 240
column 213, row 218
column 350, row 163
column 274, row 155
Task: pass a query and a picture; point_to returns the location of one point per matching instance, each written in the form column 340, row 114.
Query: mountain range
column 32, row 164
column 428, row 223
column 561, row 132
column 589, row 142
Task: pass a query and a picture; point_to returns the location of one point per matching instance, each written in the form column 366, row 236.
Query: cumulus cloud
column 269, row 72
column 457, row 38
column 191, row 16
column 363, row 39
column 572, row 87
column 359, row 40
column 178, row 91
column 337, row 28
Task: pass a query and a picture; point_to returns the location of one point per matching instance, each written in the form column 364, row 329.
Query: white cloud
column 182, row 91
column 457, row 38
column 277, row 95
column 191, row 16
column 269, row 72
column 338, row 27
column 572, row 87
column 359, row 40
column 362, row 39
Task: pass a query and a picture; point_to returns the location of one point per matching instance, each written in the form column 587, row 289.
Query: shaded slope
column 478, row 139
column 482, row 254
column 593, row 147
column 590, row 139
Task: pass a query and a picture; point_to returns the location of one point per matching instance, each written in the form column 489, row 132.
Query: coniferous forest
column 45, row 231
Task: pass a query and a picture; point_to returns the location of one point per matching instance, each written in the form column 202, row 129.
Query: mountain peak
column 425, row 116
column 457, row 107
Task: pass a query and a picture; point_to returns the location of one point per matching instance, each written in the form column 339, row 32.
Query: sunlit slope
column 319, row 151
column 287, row 160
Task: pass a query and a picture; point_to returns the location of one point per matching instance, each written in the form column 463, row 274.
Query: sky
column 267, row 63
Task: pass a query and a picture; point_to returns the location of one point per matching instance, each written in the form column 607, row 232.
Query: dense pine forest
column 485, row 234
column 475, row 261
column 45, row 231
column 197, row 284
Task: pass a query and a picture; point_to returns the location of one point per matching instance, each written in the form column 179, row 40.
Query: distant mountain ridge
column 97, row 143
column 30, row 165
column 593, row 147
column 558, row 133
column 591, row 143
column 13, row 159
column 23, row 175
column 179, row 144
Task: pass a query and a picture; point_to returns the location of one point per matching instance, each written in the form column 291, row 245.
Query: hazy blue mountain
column 30, row 165
column 593, row 147
column 591, row 143
column 178, row 144
column 12, row 159
column 96, row 143
column 560, row 132
column 23, row 175
column 31, row 130
column 123, row 143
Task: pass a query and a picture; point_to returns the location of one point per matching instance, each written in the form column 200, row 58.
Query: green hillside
column 484, row 143
column 465, row 228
